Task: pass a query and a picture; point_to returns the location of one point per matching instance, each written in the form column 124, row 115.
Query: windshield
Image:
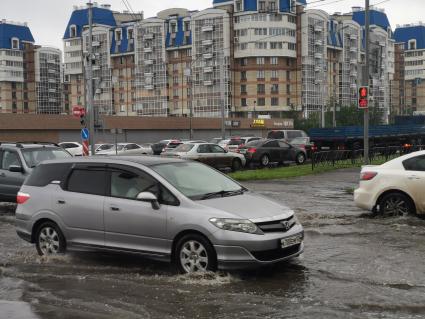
column 183, row 148
column 236, row 142
column 299, row 140
column 33, row 157
column 103, row 147
column 195, row 180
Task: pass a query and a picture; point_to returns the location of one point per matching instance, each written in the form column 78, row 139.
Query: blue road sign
column 85, row 134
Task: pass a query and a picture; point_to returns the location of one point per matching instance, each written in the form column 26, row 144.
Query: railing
column 349, row 158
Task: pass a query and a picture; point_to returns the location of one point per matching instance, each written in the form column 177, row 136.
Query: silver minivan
column 164, row 208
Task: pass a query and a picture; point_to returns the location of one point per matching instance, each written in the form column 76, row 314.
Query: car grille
column 273, row 254
column 282, row 225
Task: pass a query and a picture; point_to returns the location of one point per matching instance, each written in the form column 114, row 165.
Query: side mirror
column 149, row 197
column 16, row 169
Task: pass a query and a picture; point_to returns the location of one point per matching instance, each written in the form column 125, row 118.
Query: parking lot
column 354, row 266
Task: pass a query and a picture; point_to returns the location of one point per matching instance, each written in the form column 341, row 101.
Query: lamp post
column 255, row 111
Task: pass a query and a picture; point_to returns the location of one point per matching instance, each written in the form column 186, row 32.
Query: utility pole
column 366, row 83
column 90, row 104
column 223, row 97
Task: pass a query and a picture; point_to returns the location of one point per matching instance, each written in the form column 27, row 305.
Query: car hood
column 250, row 206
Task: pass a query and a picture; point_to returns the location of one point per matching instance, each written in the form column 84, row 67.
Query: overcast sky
column 48, row 18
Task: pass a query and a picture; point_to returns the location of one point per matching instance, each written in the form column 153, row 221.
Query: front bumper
column 256, row 250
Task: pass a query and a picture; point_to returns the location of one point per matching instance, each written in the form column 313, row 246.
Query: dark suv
column 17, row 161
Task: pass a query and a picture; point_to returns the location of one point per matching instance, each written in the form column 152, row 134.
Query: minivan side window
column 128, row 185
column 87, row 181
column 415, row 164
column 272, row 144
column 44, row 174
column 293, row 134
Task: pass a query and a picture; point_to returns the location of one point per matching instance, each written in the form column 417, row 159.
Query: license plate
column 291, row 241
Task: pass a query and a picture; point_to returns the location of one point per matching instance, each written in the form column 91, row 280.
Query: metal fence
column 349, row 158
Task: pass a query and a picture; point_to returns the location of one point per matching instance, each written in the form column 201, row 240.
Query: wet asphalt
column 354, row 266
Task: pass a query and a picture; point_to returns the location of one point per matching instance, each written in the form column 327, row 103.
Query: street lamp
column 255, row 111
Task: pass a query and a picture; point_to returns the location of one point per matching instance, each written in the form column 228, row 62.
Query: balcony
column 207, row 42
column 95, row 67
column 354, row 74
column 353, row 49
column 318, row 55
column 148, row 75
column 52, row 90
column 148, row 62
column 318, row 28
column 96, row 44
column 149, row 87
column 207, row 56
column 148, row 50
column 353, row 36
column 353, row 85
column 208, row 69
column 318, row 42
column 318, row 69
column 208, row 82
column 207, row 28
column 52, row 71
column 149, row 36
column 353, row 61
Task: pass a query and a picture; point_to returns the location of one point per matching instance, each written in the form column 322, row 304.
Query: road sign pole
column 90, row 104
column 366, row 83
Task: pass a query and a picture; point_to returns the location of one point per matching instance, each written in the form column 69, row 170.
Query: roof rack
column 21, row 144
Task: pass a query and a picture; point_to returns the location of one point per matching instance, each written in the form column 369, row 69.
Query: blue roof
column 334, row 37
column 376, row 18
column 180, row 36
column 9, row 31
column 404, row 34
column 80, row 19
column 125, row 45
column 251, row 5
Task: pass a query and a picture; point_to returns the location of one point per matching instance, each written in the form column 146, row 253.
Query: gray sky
column 48, row 18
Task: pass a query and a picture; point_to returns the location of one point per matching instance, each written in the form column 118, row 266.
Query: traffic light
column 363, row 97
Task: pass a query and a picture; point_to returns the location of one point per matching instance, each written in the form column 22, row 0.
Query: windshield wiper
column 223, row 193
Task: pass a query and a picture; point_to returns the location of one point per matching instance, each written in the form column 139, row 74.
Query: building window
column 262, row 6
column 130, row 33
column 243, row 89
column 187, row 26
column 14, row 107
column 243, row 75
column 292, row 46
column 260, row 61
column 244, row 61
column 15, row 43
column 118, row 35
column 412, row 44
column 243, row 102
column 275, row 75
column 275, row 88
column 288, row 75
column 73, row 31
column 288, row 89
column 176, row 54
column 238, row 5
column 261, row 74
column 274, row 60
column 261, row 101
column 173, row 27
column 261, row 88
column 275, row 101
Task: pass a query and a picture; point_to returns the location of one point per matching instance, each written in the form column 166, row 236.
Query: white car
column 74, row 148
column 127, row 149
column 395, row 188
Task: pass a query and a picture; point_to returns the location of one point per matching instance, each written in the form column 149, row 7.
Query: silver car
column 167, row 209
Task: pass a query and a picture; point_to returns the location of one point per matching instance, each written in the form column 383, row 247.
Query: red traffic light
column 363, row 97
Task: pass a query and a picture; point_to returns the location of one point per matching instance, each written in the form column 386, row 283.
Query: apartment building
column 410, row 71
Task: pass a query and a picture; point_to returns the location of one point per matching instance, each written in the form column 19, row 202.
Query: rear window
column 173, row 145
column 236, row 142
column 415, row 164
column 184, row 148
column 294, row 134
column 255, row 143
column 34, row 156
column 44, row 174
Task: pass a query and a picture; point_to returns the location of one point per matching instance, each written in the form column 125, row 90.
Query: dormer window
column 73, row 31
column 187, row 26
column 173, row 27
column 118, row 35
column 412, row 44
column 130, row 33
column 238, row 6
column 15, row 44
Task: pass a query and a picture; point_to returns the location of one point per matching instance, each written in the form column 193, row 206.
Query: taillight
column 252, row 150
column 367, row 176
column 21, row 198
column 314, row 148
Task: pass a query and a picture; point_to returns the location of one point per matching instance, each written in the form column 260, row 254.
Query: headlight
column 239, row 225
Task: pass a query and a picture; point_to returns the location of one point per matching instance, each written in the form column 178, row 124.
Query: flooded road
column 353, row 266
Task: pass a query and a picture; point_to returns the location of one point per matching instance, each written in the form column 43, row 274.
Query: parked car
column 286, row 135
column 266, row 151
column 103, row 147
column 216, row 140
column 167, row 209
column 17, row 161
column 224, row 143
column 394, row 188
column 237, row 142
column 74, row 148
column 210, row 154
column 126, row 149
column 304, row 144
column 161, row 146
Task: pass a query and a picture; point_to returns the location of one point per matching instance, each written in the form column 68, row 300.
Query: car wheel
column 49, row 239
column 236, row 164
column 300, row 158
column 195, row 253
column 396, row 204
column 265, row 160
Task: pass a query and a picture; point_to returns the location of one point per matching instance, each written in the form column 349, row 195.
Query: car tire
column 195, row 253
column 300, row 158
column 396, row 204
column 265, row 160
column 49, row 240
column 236, row 164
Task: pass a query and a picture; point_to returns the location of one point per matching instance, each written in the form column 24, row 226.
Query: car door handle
column 2, row 175
column 115, row 209
column 61, row 202
column 413, row 177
